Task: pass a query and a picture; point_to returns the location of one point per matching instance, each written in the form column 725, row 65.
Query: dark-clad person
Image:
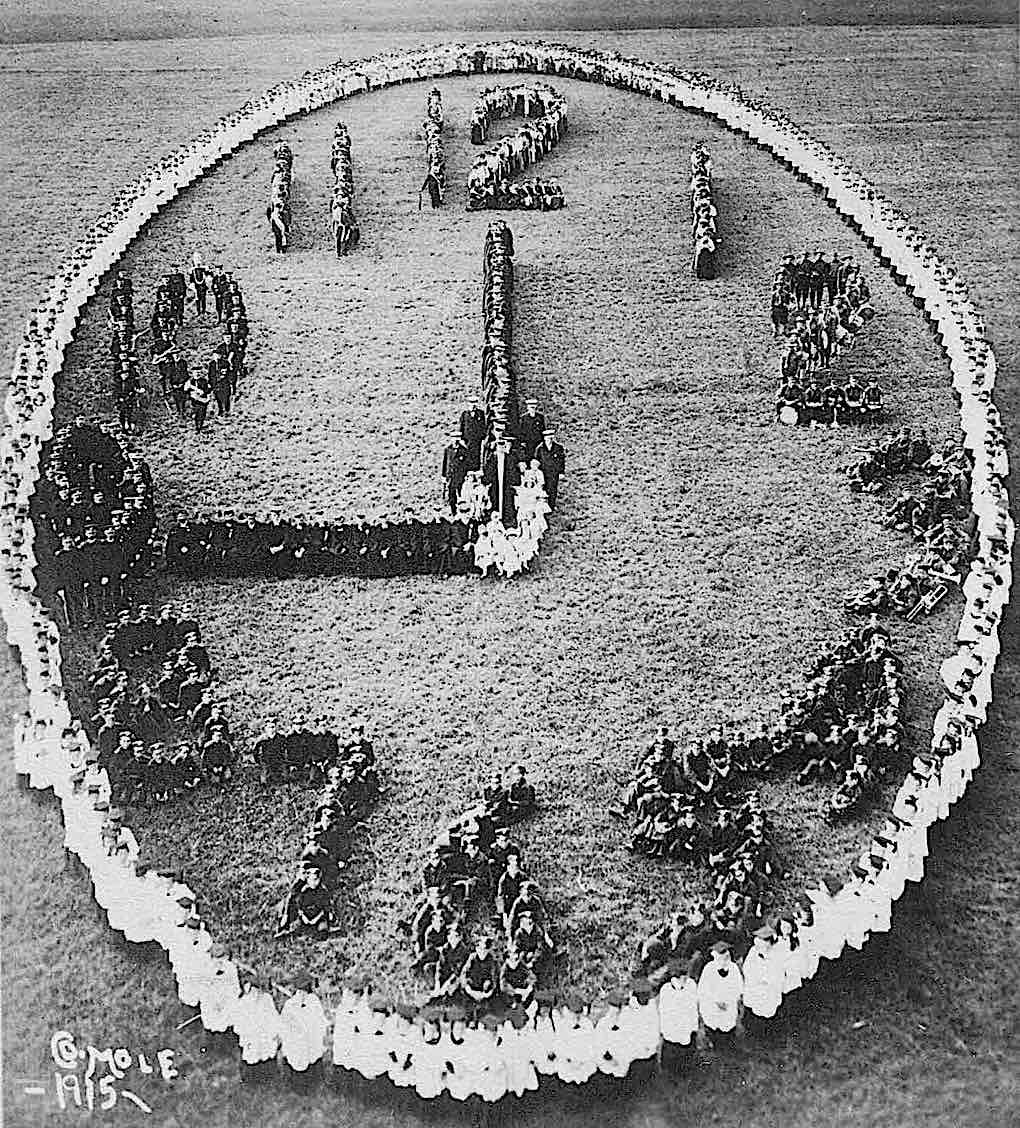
column 452, row 957
column 199, row 396
column 178, row 287
column 455, row 468
column 178, row 381
column 432, row 186
column 522, row 798
column 532, row 428
column 199, row 278
column 552, row 462
column 222, row 386
column 219, row 289
column 480, row 974
column 472, row 431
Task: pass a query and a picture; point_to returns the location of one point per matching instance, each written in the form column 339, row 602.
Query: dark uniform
column 200, row 280
column 455, row 468
column 178, row 287
column 532, row 428
column 552, row 462
column 472, row 431
column 219, row 289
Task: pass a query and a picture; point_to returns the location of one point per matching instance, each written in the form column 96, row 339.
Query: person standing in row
column 178, row 288
column 551, row 459
column 472, row 431
column 200, row 280
column 455, row 469
column 200, row 396
column 532, row 428
column 219, row 289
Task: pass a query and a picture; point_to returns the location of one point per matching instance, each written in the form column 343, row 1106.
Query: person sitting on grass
column 479, row 976
column 307, row 907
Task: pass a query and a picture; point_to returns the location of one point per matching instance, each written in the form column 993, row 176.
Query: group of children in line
column 704, row 216
column 343, row 225
column 435, row 151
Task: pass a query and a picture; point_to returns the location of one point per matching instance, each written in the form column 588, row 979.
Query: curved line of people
column 474, row 871
column 938, row 515
column 218, row 380
column 342, row 224
column 144, row 901
column 704, row 229
column 95, row 521
column 278, row 209
column 435, row 151
column 844, row 727
column 489, row 183
column 351, row 786
column 820, row 303
column 137, row 711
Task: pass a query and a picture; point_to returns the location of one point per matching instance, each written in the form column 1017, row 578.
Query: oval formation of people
column 505, row 544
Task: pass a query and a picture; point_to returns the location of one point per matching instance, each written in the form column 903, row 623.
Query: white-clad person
column 405, row 1040
column 640, row 1018
column 519, row 1047
column 720, row 990
column 430, row 1055
column 577, row 1059
column 492, row 1073
column 763, row 974
column 546, row 1036
column 373, row 1046
column 678, row 1011
column 303, row 1032
column 257, row 1023
column 219, row 993
column 612, row 1038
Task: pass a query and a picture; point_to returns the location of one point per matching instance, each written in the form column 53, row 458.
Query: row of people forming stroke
column 704, row 215
column 843, row 730
column 820, row 303
column 142, row 900
column 344, row 230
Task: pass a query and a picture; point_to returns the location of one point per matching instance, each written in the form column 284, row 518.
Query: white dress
column 719, row 995
column 763, row 981
column 678, row 1010
column 257, row 1024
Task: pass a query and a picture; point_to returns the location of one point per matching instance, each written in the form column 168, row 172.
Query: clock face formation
column 623, row 627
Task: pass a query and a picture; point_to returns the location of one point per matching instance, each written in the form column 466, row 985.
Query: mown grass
column 699, row 556
column 666, row 579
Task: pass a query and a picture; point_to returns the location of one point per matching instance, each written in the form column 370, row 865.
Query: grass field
column 646, row 396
